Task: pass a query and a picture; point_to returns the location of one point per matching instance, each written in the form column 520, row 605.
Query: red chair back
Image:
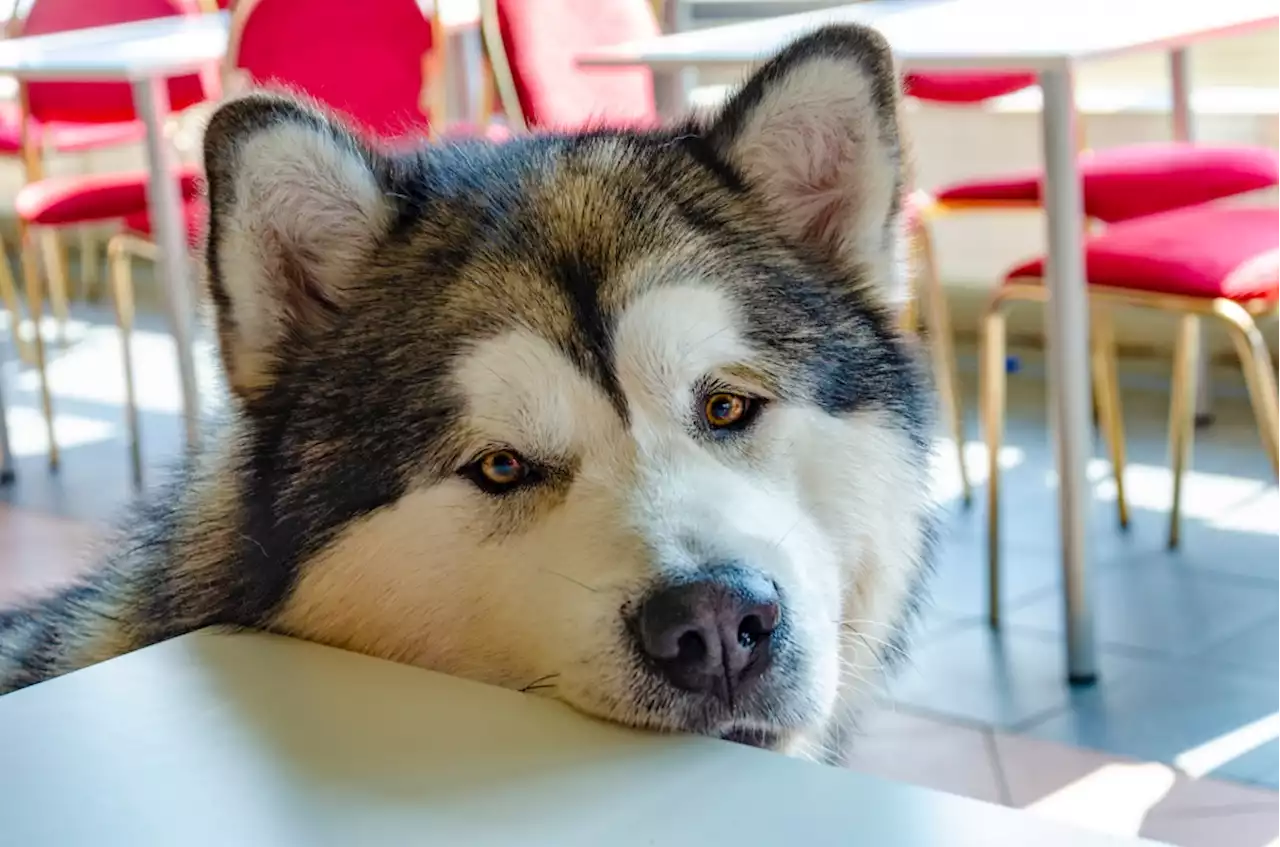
column 539, row 44
column 99, row 102
column 363, row 59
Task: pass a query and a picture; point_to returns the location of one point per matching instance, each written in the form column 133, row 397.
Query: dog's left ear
column 815, row 130
column 297, row 204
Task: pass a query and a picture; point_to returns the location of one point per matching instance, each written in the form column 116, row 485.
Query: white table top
column 132, row 51
column 255, row 740
column 154, row 48
column 1025, row 34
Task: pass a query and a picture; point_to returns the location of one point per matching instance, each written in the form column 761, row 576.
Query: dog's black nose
column 711, row 632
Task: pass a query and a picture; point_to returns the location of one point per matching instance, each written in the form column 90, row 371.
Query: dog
column 619, row 417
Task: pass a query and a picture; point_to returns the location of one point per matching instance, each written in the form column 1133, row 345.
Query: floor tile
column 1035, row 769
column 909, row 748
column 998, row 679
column 1236, row 829
column 40, row 551
column 959, row 584
column 1164, row 610
column 1256, row 648
column 1233, row 552
column 1164, row 712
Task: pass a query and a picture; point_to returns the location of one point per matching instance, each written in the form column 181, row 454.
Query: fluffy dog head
column 618, row 416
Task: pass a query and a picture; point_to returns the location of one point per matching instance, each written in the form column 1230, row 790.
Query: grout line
column 1226, row 811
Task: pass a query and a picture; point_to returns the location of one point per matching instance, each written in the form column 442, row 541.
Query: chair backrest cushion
column 363, row 59
column 542, row 39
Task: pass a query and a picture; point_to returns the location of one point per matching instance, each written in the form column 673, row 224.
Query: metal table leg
column 151, row 100
column 1184, row 130
column 671, row 87
column 1068, row 361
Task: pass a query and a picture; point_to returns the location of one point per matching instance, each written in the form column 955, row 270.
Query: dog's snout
column 712, row 632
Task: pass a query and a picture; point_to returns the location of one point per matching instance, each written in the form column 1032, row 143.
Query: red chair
column 1209, row 261
column 1119, row 184
column 54, row 203
column 292, row 44
column 532, row 45
column 380, row 84
column 21, row 136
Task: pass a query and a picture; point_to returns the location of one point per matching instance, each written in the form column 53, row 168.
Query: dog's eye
column 499, row 471
column 725, row 411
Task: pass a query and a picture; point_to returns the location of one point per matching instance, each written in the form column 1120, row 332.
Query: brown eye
column 723, row 410
column 499, row 471
column 502, row 467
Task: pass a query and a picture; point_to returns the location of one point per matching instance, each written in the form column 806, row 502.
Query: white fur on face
column 812, row 502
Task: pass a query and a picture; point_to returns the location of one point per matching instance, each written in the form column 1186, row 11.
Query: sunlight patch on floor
column 92, row 370
column 1225, row 502
column 27, row 431
column 1213, row 754
column 1115, row 798
column 946, row 470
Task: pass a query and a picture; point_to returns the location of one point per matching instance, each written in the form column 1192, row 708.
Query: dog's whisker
column 777, row 545
column 541, row 682
column 568, row 578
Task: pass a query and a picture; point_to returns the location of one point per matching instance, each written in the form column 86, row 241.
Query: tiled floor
column 1177, row 740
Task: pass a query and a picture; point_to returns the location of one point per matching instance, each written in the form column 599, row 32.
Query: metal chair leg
column 1259, row 375
column 7, row 472
column 1106, row 385
column 1182, row 413
column 35, row 308
column 942, row 348
column 90, row 270
column 55, row 266
column 909, row 317
column 12, row 305
column 991, row 395
column 121, row 278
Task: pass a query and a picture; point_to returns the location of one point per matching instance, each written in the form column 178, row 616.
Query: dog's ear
column 296, row 203
column 815, row 130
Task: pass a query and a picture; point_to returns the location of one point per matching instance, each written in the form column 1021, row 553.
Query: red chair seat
column 964, row 86
column 1211, row 251
column 1127, row 182
column 63, row 137
column 87, row 199
column 194, row 212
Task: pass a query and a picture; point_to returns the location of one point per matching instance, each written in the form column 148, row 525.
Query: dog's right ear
column 815, row 131
column 296, row 202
